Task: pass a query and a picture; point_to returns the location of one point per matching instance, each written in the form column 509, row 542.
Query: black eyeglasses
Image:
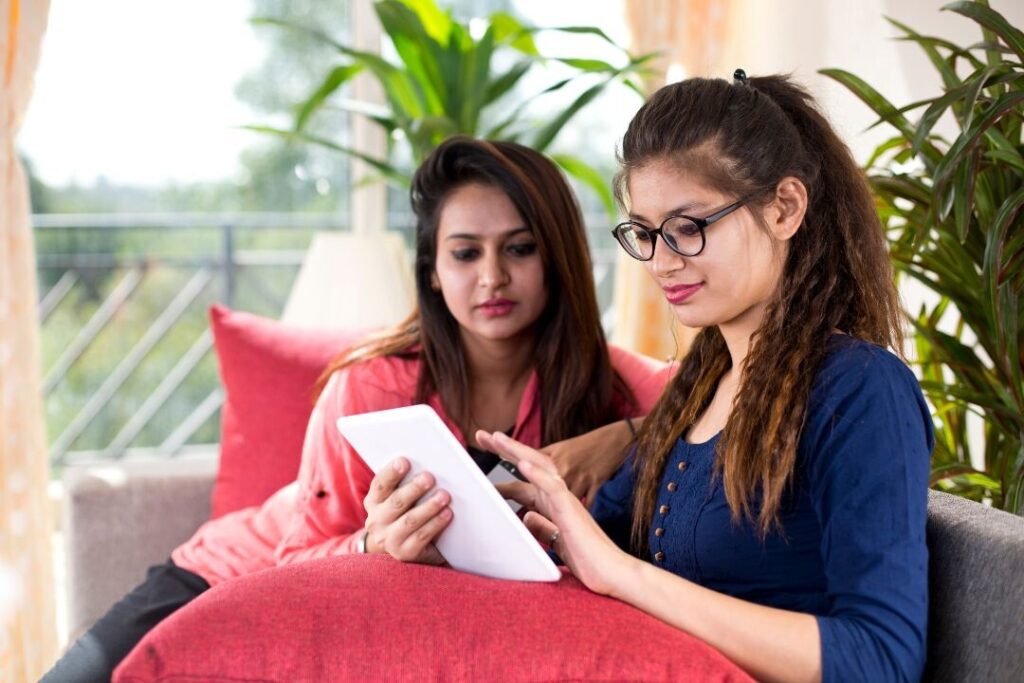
column 683, row 234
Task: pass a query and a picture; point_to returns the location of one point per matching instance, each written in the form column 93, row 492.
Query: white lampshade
column 353, row 281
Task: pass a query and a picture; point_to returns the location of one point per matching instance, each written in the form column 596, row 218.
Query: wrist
column 625, row 576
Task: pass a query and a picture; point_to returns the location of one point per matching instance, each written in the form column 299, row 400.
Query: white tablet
column 484, row 537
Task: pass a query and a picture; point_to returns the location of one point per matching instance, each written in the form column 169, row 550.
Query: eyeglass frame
column 701, row 223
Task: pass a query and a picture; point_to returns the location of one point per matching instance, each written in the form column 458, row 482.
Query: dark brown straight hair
column 579, row 389
column 742, row 139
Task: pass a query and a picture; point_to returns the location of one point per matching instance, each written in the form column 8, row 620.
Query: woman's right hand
column 396, row 525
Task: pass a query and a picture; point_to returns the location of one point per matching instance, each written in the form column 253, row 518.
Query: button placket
column 659, row 532
column 678, row 479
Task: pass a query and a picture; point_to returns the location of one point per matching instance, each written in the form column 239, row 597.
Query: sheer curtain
column 690, row 35
column 27, row 623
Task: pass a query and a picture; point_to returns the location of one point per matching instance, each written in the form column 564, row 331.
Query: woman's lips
column 496, row 308
column 677, row 294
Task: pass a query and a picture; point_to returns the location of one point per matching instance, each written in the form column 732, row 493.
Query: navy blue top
column 852, row 551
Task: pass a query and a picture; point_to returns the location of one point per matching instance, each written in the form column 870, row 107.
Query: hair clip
column 739, row 77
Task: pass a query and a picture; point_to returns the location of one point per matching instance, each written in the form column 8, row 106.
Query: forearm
column 771, row 644
column 290, row 553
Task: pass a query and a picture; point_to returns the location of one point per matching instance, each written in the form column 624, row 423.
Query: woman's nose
column 665, row 260
column 492, row 271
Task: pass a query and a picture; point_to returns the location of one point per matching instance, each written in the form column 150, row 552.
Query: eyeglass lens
column 682, row 236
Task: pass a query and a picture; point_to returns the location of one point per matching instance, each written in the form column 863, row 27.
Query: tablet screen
column 485, row 536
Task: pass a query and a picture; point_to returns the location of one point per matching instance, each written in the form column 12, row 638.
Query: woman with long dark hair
column 775, row 505
column 506, row 336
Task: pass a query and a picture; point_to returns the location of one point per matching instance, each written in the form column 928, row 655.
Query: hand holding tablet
column 484, row 537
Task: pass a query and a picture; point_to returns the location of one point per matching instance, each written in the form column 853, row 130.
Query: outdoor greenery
column 274, row 175
column 447, row 78
column 952, row 206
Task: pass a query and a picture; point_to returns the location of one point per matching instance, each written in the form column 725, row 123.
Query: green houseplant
column 447, row 80
column 952, row 208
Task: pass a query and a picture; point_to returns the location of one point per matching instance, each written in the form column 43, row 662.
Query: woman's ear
column 787, row 209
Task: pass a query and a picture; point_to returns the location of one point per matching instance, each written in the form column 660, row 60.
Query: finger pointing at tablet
column 558, row 519
column 515, row 452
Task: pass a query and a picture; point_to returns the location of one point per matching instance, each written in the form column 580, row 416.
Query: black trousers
column 94, row 656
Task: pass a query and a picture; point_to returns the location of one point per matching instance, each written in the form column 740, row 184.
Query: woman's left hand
column 580, row 542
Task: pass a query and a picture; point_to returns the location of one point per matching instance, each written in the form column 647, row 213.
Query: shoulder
column 374, row 383
column 646, row 377
column 854, row 368
column 623, row 360
column 864, row 398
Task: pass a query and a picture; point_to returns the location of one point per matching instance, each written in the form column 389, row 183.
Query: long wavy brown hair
column 579, row 389
column 742, row 139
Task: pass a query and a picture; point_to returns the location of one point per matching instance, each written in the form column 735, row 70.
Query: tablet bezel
column 485, row 536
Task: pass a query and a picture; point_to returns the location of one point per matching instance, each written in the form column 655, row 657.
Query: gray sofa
column 119, row 519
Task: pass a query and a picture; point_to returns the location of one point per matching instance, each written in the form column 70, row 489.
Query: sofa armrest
column 122, row 517
column 976, row 592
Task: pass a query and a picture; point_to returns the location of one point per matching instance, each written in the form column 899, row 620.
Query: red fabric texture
column 363, row 618
column 268, row 370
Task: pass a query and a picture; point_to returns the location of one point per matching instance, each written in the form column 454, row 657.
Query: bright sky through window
column 142, row 93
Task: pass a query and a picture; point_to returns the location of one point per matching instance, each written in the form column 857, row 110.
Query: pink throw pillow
column 268, row 370
column 368, row 617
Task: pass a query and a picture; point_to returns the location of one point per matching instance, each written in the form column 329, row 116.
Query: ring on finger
column 554, row 537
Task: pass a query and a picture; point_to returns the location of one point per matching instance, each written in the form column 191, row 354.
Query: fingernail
column 423, row 479
column 398, row 464
column 441, row 497
column 524, row 465
column 446, row 513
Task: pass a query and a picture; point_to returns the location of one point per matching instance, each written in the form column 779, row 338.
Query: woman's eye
column 524, row 249
column 464, row 254
column 641, row 236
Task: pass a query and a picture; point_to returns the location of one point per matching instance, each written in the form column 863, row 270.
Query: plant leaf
column 993, row 21
column 963, row 196
column 384, row 168
column 588, row 65
column 965, row 144
column 508, row 80
column 418, row 48
column 436, row 23
column 871, row 97
column 510, row 31
column 589, row 176
column 547, row 134
column 337, row 77
column 591, row 30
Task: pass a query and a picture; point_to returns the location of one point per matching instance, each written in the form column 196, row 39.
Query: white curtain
column 28, row 635
column 690, row 35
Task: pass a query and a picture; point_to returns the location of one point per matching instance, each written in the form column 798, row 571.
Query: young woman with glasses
column 506, row 337
column 775, row 503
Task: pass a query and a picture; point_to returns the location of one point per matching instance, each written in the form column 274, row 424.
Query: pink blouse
column 322, row 513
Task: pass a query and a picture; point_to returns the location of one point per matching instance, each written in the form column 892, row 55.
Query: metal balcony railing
column 127, row 362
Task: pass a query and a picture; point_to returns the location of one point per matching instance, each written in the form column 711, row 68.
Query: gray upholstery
column 976, row 577
column 122, row 517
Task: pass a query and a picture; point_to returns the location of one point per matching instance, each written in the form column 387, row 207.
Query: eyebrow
column 682, row 208
column 471, row 236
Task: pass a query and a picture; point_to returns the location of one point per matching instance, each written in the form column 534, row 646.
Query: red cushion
column 361, row 618
column 268, row 370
